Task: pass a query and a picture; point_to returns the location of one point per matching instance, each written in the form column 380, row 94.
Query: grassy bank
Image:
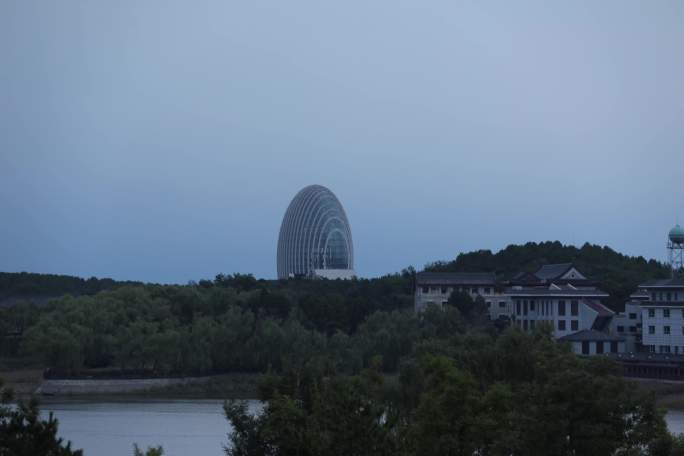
column 224, row 386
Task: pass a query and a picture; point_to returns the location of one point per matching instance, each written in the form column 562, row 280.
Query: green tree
column 24, row 433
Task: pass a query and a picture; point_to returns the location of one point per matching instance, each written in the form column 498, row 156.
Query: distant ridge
column 16, row 287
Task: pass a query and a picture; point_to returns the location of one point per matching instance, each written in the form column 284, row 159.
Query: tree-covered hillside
column 616, row 273
column 238, row 323
column 17, row 285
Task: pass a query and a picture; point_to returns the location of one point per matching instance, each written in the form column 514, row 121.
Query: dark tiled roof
column 602, row 310
column 456, row 278
column 664, row 283
column 552, row 271
column 591, row 335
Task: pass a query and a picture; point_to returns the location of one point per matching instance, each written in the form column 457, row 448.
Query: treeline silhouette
column 238, row 323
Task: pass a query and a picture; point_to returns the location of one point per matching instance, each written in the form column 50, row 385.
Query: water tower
column 675, row 248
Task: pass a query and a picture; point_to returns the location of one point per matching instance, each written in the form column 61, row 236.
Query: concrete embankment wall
column 78, row 387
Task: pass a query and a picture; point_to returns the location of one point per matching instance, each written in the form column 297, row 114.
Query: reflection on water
column 675, row 421
column 182, row 427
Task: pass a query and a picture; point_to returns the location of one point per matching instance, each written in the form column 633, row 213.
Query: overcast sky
column 163, row 140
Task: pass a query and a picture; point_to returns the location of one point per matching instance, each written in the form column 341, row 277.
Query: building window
column 666, row 313
column 632, row 329
column 664, row 349
column 585, row 347
column 524, row 307
column 651, row 313
column 444, row 290
column 654, row 296
column 620, row 329
column 517, row 307
column 474, row 290
column 574, row 308
column 561, row 325
column 489, row 304
column 669, row 296
column 651, row 329
column 532, row 306
column 426, row 289
column 666, row 330
column 574, row 325
column 613, row 347
column 487, row 290
column 561, row 308
column 632, row 316
column 599, row 347
column 502, row 304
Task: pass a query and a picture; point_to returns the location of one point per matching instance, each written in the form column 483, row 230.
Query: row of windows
column 612, row 346
column 667, row 296
column 562, row 325
column 667, row 330
column 666, row 349
column 445, row 290
column 545, row 307
column 502, row 304
column 666, row 313
column 621, row 329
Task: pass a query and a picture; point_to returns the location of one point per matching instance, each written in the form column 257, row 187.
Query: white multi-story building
column 566, row 308
column 436, row 288
column 663, row 316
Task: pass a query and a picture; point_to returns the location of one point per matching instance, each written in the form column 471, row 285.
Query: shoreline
column 30, row 382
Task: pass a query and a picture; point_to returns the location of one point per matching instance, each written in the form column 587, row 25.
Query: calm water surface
column 182, row 427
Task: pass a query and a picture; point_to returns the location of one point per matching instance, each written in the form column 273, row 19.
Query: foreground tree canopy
column 470, row 394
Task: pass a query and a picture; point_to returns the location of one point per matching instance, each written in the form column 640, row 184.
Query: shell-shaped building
column 315, row 237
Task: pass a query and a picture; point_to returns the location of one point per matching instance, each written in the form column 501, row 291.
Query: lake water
column 182, row 427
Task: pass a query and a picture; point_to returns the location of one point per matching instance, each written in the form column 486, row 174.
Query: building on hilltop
column 557, row 295
column 562, row 273
column 663, row 316
column 315, row 237
column 565, row 308
column 436, row 287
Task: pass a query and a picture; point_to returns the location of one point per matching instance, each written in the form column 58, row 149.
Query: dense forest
column 463, row 394
column 29, row 285
column 238, row 323
column 233, row 323
column 349, row 368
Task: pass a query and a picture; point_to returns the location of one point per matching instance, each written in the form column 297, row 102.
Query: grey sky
column 163, row 140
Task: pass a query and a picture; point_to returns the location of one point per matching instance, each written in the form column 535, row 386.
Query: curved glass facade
column 314, row 235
